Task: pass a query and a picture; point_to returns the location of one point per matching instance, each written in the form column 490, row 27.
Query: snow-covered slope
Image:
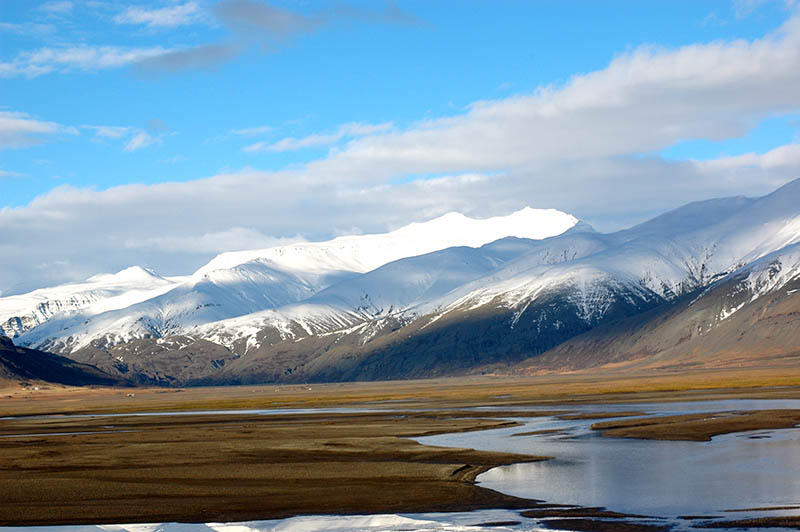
column 363, row 253
column 668, row 256
column 580, row 275
column 241, row 283
column 447, row 292
column 96, row 295
column 748, row 318
column 390, row 290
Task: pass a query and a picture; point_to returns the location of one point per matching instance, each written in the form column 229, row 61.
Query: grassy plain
column 56, row 467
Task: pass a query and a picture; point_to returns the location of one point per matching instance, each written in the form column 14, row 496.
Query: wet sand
column 792, row 522
column 201, row 468
column 698, row 427
column 558, row 391
column 232, row 467
column 596, row 525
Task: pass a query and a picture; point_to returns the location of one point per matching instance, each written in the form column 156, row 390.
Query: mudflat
column 698, row 427
column 59, row 465
column 237, row 467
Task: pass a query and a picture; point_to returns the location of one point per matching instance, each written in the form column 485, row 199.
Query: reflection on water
column 255, row 412
column 660, row 478
column 438, row 522
column 669, row 478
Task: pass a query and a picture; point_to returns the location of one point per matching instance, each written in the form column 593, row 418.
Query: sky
column 160, row 133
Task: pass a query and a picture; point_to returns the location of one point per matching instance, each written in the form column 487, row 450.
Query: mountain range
column 711, row 283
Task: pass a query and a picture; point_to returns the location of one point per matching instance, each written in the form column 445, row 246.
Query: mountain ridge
column 25, row 366
column 448, row 311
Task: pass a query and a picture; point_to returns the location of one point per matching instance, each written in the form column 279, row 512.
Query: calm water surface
column 669, row 478
column 657, row 478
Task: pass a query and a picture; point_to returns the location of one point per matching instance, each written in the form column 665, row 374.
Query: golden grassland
column 698, row 427
column 57, row 468
column 560, row 390
column 234, row 467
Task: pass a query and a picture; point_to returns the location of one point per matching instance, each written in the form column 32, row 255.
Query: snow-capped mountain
column 534, row 299
column 436, row 298
column 588, row 273
column 750, row 317
column 66, row 318
column 666, row 257
column 98, row 294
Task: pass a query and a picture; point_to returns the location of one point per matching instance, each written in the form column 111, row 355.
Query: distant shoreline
column 244, row 466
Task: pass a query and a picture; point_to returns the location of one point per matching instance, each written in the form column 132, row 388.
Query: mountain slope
column 342, row 310
column 21, row 365
column 560, row 288
column 96, row 295
column 364, row 306
column 750, row 317
column 240, row 283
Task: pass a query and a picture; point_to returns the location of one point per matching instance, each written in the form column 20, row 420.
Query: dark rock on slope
column 18, row 364
column 723, row 326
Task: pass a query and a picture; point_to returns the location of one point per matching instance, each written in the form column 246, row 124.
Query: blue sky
column 105, row 104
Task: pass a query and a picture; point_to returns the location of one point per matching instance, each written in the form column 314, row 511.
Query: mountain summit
column 137, row 303
column 443, row 297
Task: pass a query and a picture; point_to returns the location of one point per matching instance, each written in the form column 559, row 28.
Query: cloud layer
column 165, row 17
column 35, row 63
column 248, row 22
column 349, row 130
column 20, row 129
column 587, row 147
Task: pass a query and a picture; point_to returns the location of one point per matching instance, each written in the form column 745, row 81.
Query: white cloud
column 642, row 102
column 140, row 140
column 249, row 131
column 350, row 130
column 8, row 173
column 787, row 156
column 165, row 17
column 35, row 63
column 586, row 147
column 28, row 28
column 110, row 132
column 20, row 129
column 135, row 138
column 744, row 8
column 57, row 7
column 233, row 239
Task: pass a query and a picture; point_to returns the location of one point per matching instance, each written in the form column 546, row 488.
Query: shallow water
column 255, row 412
column 664, row 478
column 438, row 522
column 658, row 478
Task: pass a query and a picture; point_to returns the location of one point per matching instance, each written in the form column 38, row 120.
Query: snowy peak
column 503, row 287
column 99, row 293
column 136, row 302
column 688, row 218
column 527, row 222
column 133, row 274
column 363, row 253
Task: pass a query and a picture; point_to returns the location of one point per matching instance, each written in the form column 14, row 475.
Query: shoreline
column 451, row 392
column 698, row 427
column 202, row 468
column 198, row 467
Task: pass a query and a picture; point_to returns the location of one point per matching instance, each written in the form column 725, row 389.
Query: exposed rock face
column 706, row 284
column 749, row 318
column 18, row 364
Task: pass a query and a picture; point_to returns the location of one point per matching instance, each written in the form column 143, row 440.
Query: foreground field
column 57, row 468
column 235, row 467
